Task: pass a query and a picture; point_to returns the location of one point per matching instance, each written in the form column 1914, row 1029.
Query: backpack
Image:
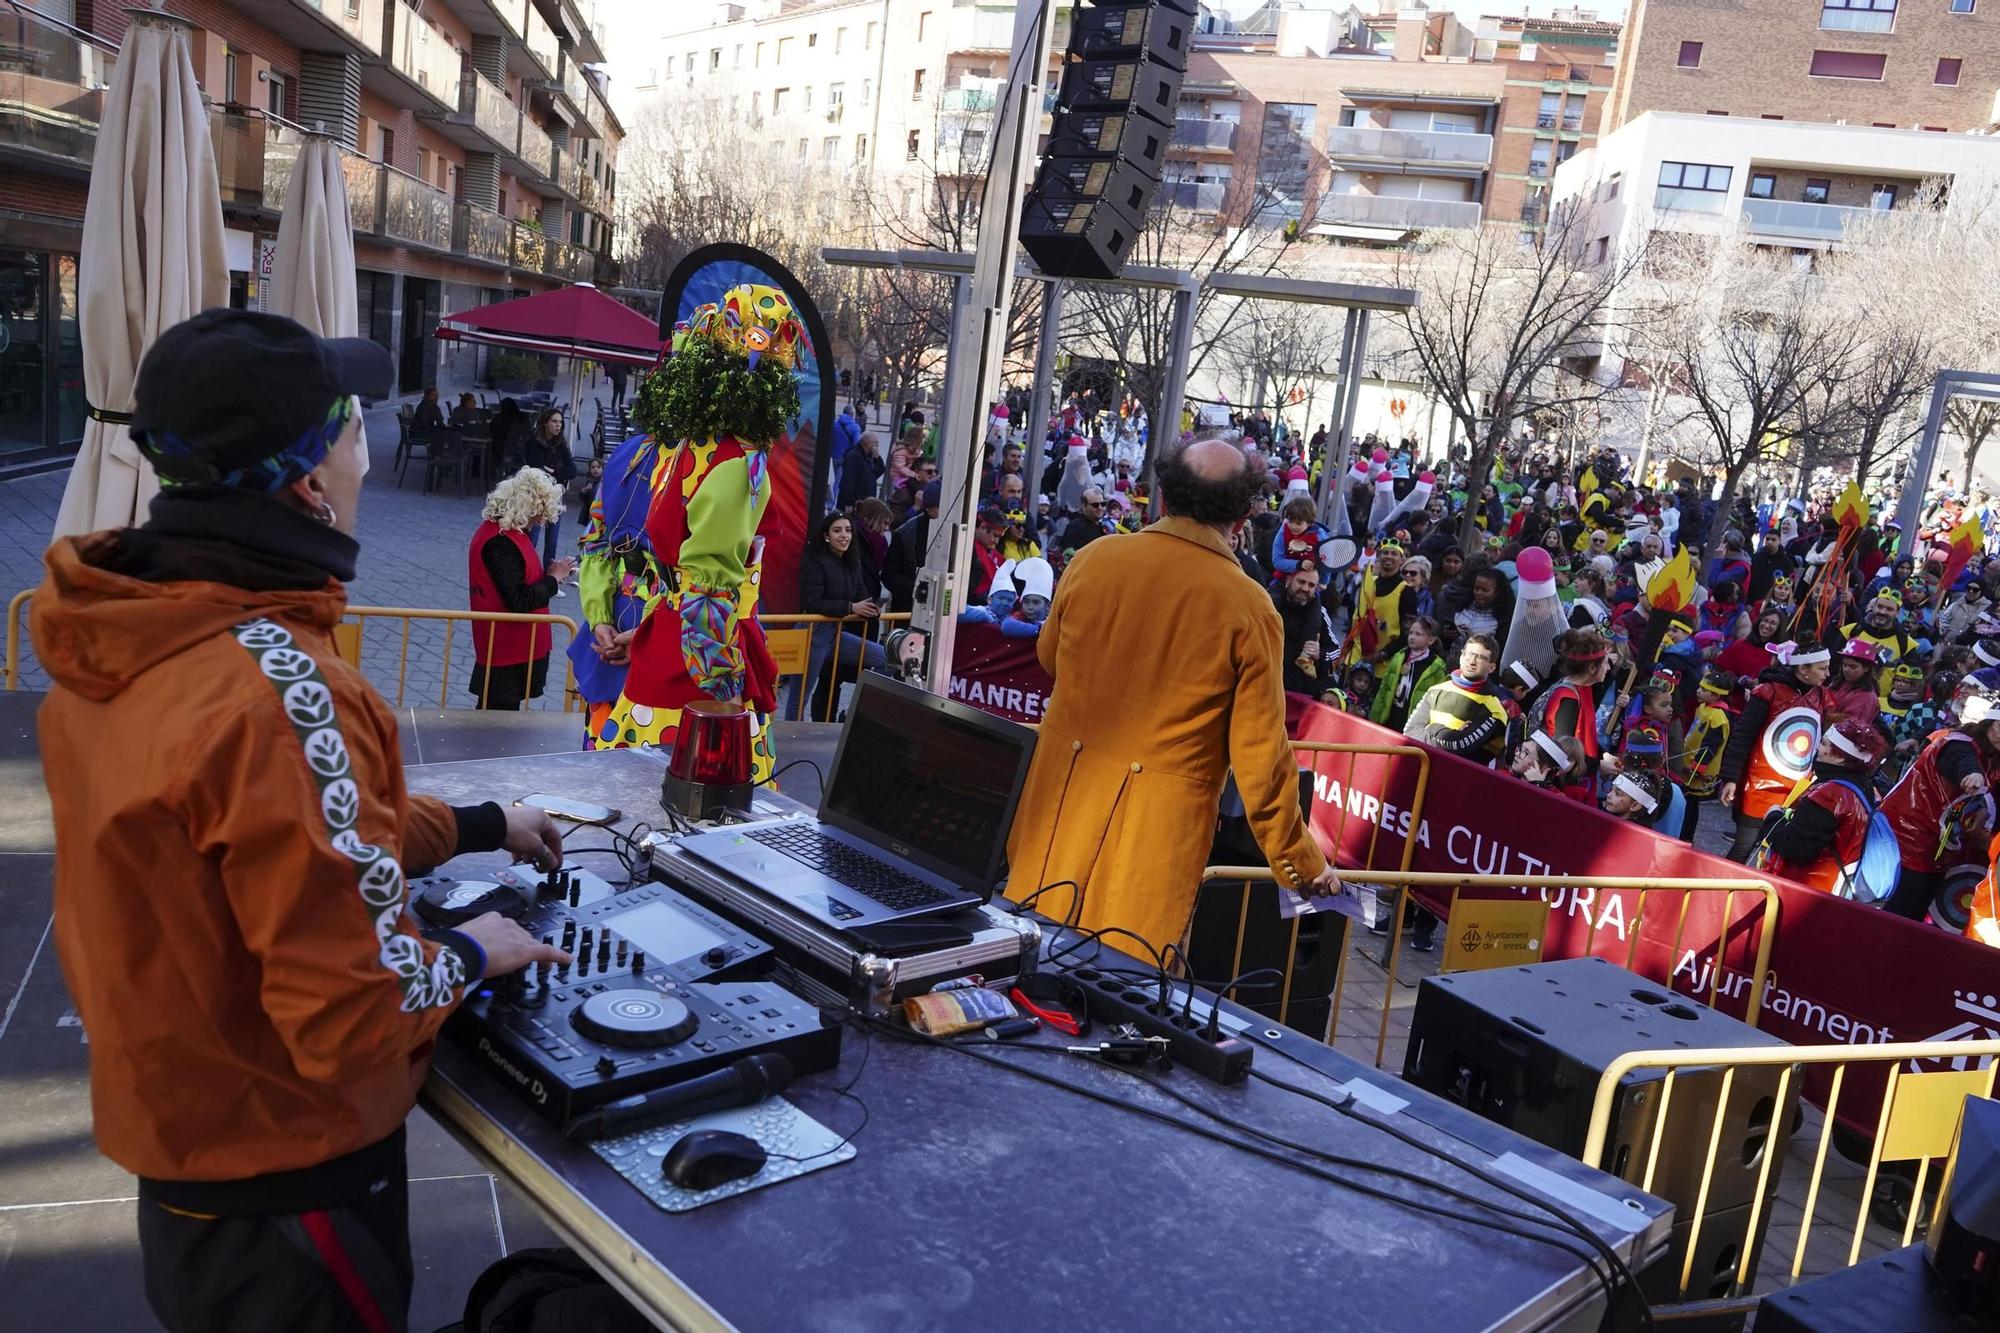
column 546, row 1291
column 1874, row 878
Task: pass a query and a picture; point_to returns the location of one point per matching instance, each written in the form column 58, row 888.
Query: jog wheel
column 452, row 902
column 634, row 1018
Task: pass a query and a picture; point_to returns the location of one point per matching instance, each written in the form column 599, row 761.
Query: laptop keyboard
column 873, row 879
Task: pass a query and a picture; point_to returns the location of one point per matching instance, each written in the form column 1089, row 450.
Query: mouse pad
column 783, row 1129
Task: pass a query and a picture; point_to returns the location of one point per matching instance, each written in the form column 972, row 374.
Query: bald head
column 1209, row 481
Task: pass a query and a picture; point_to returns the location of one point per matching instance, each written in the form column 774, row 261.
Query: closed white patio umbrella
column 152, row 256
column 312, row 273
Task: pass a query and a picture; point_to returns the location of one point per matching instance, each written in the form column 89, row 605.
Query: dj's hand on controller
column 533, row 837
column 508, row 947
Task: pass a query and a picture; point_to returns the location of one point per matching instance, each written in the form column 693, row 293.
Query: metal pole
column 1910, row 507
column 1046, row 345
column 1166, row 424
column 1335, row 465
column 979, row 332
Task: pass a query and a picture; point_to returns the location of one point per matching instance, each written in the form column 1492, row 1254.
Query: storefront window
column 23, row 350
column 69, row 357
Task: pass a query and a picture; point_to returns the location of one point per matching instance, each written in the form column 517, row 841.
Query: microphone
column 745, row 1083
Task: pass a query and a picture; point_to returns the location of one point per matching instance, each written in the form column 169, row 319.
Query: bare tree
column 1278, row 352
column 1973, row 421
column 1498, row 315
column 1756, row 347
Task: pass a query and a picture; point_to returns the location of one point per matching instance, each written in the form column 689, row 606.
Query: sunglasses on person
column 1093, row 504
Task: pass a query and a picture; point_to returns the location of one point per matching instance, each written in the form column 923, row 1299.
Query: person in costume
column 1822, row 840
column 1780, row 600
column 1569, row 708
column 1538, row 618
column 1386, row 604
column 1959, row 761
column 1466, row 713
column 504, row 572
column 1298, row 538
column 1701, row 752
column 1408, row 675
column 617, row 579
column 724, row 395
column 1036, row 579
column 1879, row 625
column 1854, row 690
column 1923, row 719
column 1772, row 744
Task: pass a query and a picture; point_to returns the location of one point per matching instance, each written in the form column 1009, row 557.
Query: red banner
column 1839, row 971
column 998, row 674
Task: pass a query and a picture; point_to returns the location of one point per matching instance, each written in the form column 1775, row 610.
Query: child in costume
column 1829, row 838
column 1298, row 538
column 724, row 395
column 1700, row 757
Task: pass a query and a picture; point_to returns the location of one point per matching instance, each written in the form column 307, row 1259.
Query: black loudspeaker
column 1108, row 139
column 1964, row 1248
column 1892, row 1292
column 1525, row 1046
column 1220, row 914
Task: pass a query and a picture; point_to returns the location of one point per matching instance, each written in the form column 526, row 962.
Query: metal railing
column 415, row 211
column 1195, row 196
column 1405, row 879
column 364, row 191
column 1914, row 1145
column 537, row 150
column 1679, row 199
column 789, row 637
column 1386, row 145
column 52, row 83
column 360, row 20
column 531, row 247
column 487, row 109
column 540, row 42
column 420, row 54
column 10, row 667
column 481, row 233
column 1374, row 210
column 1204, row 136
column 572, row 83
column 352, row 645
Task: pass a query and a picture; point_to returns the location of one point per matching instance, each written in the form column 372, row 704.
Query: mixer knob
column 716, row 956
column 606, row 1066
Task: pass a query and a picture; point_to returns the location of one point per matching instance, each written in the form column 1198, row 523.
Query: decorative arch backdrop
column 798, row 462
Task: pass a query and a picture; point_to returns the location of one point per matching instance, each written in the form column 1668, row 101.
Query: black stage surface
column 979, row 1199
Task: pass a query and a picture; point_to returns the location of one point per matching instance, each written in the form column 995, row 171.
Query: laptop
column 913, row 821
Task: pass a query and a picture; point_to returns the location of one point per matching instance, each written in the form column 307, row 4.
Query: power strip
column 1116, row 1000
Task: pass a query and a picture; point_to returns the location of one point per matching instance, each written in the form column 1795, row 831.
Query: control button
column 605, row 1066
column 716, row 957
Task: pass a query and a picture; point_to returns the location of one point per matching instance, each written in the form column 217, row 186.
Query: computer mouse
column 709, row 1158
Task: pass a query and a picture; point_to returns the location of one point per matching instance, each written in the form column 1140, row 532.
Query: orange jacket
column 232, row 835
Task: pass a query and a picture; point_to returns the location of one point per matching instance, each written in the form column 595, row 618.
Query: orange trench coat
column 1167, row 677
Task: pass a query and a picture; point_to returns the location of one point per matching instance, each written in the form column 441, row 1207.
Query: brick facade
column 1755, row 56
column 42, row 196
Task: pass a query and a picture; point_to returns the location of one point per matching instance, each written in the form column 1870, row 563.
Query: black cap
column 236, row 387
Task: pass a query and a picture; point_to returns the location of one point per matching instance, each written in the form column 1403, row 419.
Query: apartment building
column 1927, row 65
column 1362, row 128
column 480, row 156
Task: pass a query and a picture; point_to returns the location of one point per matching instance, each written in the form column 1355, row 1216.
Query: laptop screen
column 929, row 779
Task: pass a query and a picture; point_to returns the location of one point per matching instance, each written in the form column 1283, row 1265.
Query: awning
column 575, row 321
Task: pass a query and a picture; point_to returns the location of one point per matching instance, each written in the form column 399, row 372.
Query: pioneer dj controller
column 658, row 990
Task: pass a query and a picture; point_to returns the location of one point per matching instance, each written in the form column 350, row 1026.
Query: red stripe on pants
column 319, row 1225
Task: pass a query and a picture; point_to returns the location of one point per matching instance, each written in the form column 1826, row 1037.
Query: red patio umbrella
column 578, row 322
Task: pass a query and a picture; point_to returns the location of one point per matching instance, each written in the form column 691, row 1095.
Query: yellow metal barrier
column 1405, row 880
column 1918, row 1122
column 789, row 637
column 10, row 674
column 491, row 619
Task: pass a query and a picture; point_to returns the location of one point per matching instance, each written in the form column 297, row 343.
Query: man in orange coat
column 1168, row 677
column 233, row 846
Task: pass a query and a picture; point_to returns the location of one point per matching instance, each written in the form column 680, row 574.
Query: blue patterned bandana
column 179, row 461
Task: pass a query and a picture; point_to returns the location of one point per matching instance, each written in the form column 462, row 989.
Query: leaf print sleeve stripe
column 308, row 704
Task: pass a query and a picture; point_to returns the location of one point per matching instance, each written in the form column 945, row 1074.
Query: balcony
column 1429, row 148
column 1194, row 196
column 573, row 86
column 429, row 69
column 537, row 153
column 1374, row 210
column 982, row 30
column 540, row 42
column 414, row 212
column 571, row 263
column 51, row 90
column 1857, row 20
column 589, row 193
column 254, row 157
column 594, row 115
column 1675, row 199
column 485, row 120
column 1204, row 136
column 971, row 97
column 364, row 192
column 1792, row 220
column 481, row 233
column 531, row 248
column 347, row 26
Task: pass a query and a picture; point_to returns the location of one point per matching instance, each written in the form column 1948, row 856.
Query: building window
column 836, row 93
column 860, row 148
column 757, row 61
column 1694, row 176
column 274, row 94
column 1284, row 159
column 1551, row 108
column 839, row 39
column 1771, row 115
column 805, row 149
column 756, row 106
column 229, row 77
column 715, row 60
column 1848, row 64
column 867, row 90
column 972, row 147
column 812, row 39
column 868, row 38
column 1963, row 6
column 1763, row 185
column 1947, row 71
column 806, row 95
column 917, row 86
column 1599, row 248
column 736, row 57
column 829, row 149
column 923, row 22
column 913, row 147
column 1612, row 185
column 778, row 101
column 1882, row 198
column 782, row 43
column 1539, row 153
column 1858, row 15
column 1565, row 151
column 1816, row 191
column 1690, row 57
column 1573, row 113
